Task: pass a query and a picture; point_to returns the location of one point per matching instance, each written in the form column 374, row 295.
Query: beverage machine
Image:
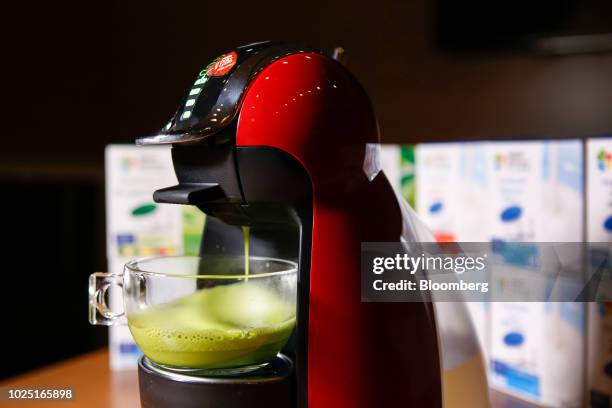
column 282, row 139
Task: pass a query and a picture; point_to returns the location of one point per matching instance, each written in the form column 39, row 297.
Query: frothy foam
column 238, row 324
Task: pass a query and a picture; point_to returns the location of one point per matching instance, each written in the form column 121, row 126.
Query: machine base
column 270, row 387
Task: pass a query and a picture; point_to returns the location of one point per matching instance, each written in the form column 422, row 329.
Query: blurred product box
column 515, row 174
column 563, row 199
column 438, row 187
column 470, row 228
column 518, row 191
column 473, row 197
column 451, row 198
column 600, row 354
column 136, row 227
column 536, row 195
column 513, row 191
column 599, row 230
column 599, row 188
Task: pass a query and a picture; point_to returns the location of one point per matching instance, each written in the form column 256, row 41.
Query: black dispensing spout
column 242, row 186
column 189, row 193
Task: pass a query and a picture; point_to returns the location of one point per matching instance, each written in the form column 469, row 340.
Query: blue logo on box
column 125, row 239
column 436, row 207
column 517, row 380
column 514, row 339
column 129, row 348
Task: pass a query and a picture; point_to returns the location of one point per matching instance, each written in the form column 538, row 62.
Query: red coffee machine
column 277, row 137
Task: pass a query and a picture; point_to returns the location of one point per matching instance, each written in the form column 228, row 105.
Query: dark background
column 79, row 75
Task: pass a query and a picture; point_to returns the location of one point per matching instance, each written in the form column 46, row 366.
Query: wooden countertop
column 95, row 385
column 91, row 379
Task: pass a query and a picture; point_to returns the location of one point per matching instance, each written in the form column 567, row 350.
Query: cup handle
column 99, row 311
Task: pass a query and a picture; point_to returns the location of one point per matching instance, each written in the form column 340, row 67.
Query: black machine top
column 214, row 99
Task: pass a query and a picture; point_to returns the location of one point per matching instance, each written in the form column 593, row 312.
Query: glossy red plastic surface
column 359, row 354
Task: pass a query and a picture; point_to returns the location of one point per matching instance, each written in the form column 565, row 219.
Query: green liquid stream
column 245, row 236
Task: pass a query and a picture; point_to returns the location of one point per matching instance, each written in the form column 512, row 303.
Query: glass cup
column 202, row 315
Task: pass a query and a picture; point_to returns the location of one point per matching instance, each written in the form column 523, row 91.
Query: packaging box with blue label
column 515, row 183
column 536, row 195
column 600, row 354
column 438, row 187
column 136, row 227
column 526, row 191
column 599, row 230
column 599, row 188
column 451, row 198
